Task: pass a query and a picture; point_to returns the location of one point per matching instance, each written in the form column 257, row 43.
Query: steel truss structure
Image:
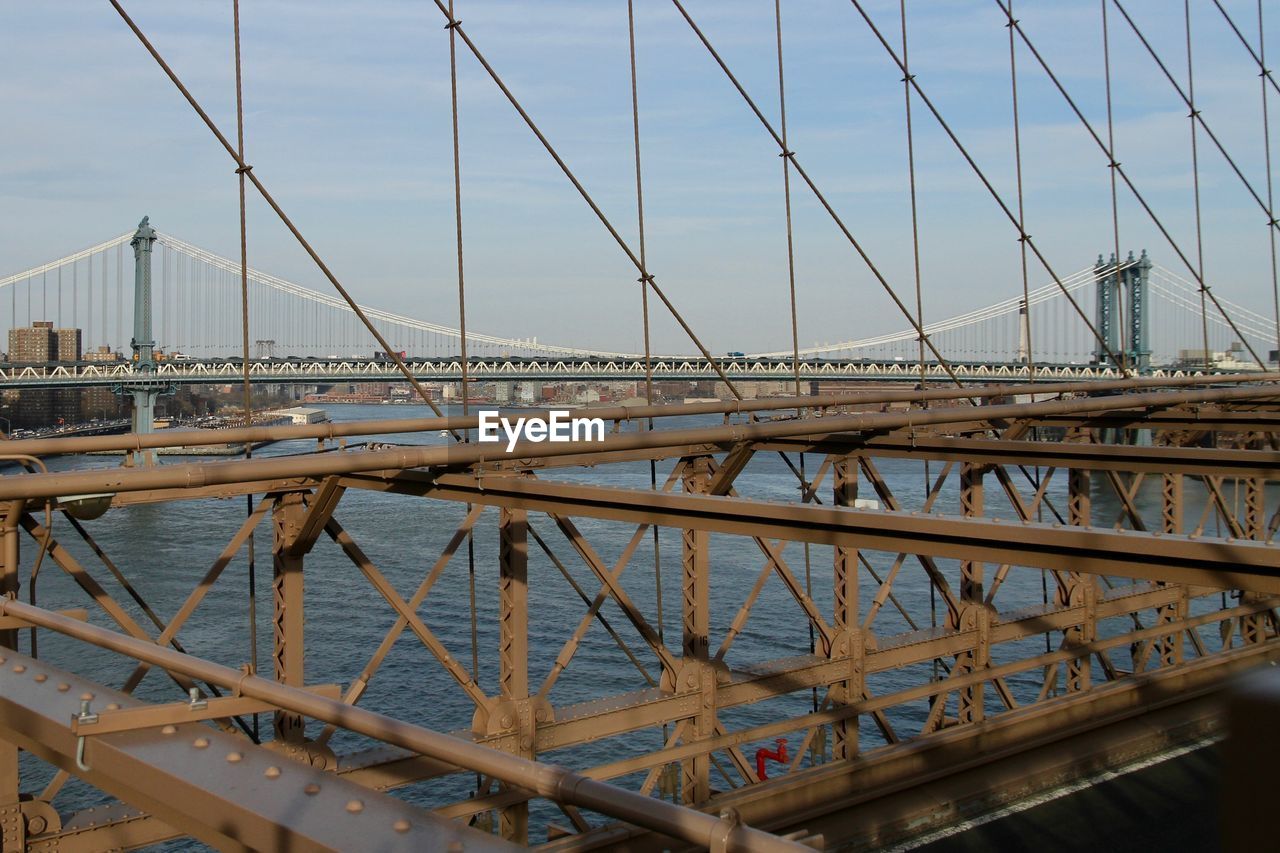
column 1140, row 615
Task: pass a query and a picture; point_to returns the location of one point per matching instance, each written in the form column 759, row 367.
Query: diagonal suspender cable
column 1023, row 236
column 270, row 200
column 1260, row 60
column 244, row 328
column 1190, row 98
column 1111, row 144
column 786, row 195
column 1119, row 169
column 1265, row 76
column 1025, row 318
column 582, row 191
column 768, row 126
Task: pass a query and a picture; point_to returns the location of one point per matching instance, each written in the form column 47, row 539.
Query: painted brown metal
column 1173, row 562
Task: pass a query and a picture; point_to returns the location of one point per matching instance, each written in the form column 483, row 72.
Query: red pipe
column 779, row 755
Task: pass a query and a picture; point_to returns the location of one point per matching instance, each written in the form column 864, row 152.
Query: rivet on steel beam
column 234, row 757
column 355, row 806
column 63, row 687
column 456, row 847
column 114, row 706
column 169, row 729
column 19, row 668
column 272, row 772
column 86, row 697
column 311, row 789
column 41, row 678
column 200, row 742
column 401, row 825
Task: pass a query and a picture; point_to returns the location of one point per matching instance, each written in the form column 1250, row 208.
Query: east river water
column 165, row 549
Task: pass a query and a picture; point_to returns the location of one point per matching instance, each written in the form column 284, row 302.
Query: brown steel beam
column 1223, row 564
column 36, row 486
column 220, row 788
column 555, row 783
column 1197, row 461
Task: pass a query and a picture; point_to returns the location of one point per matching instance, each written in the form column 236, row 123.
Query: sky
column 348, row 125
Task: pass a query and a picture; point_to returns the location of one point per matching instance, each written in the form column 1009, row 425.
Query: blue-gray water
column 165, row 549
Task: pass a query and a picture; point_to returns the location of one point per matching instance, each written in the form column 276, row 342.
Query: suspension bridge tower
column 145, row 388
column 1112, row 278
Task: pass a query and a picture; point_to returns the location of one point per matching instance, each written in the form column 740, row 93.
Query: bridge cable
column 1023, row 236
column 786, row 194
column 1119, row 169
column 275, row 206
column 1024, row 320
column 1266, row 147
column 915, row 222
column 936, row 663
column 462, row 337
column 457, row 211
column 1115, row 205
column 791, row 281
column 1190, row 98
column 644, row 311
column 582, row 191
column 244, row 328
column 790, row 155
column 1259, row 60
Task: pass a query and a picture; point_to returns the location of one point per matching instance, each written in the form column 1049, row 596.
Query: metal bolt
column 311, row 790
column 41, row 678
column 169, row 729
column 272, row 772
column 401, row 825
column 200, row 742
column 86, row 696
column 234, row 757
column 19, row 668
column 355, row 806
column 63, row 687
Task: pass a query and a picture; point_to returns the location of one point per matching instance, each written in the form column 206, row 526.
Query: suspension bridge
column 306, row 336
column 845, row 618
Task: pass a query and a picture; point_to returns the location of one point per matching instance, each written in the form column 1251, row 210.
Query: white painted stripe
column 1049, row 796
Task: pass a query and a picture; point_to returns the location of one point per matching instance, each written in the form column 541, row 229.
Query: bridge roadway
column 665, row 368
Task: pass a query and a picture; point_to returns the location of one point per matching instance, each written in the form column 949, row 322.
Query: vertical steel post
column 1082, row 590
column 513, row 647
column 12, row 823
column 848, row 631
column 9, row 583
column 1170, row 645
column 972, row 594
column 287, row 618
column 696, row 612
column 1253, row 626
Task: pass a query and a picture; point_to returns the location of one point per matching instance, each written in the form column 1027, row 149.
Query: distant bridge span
column 303, row 371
